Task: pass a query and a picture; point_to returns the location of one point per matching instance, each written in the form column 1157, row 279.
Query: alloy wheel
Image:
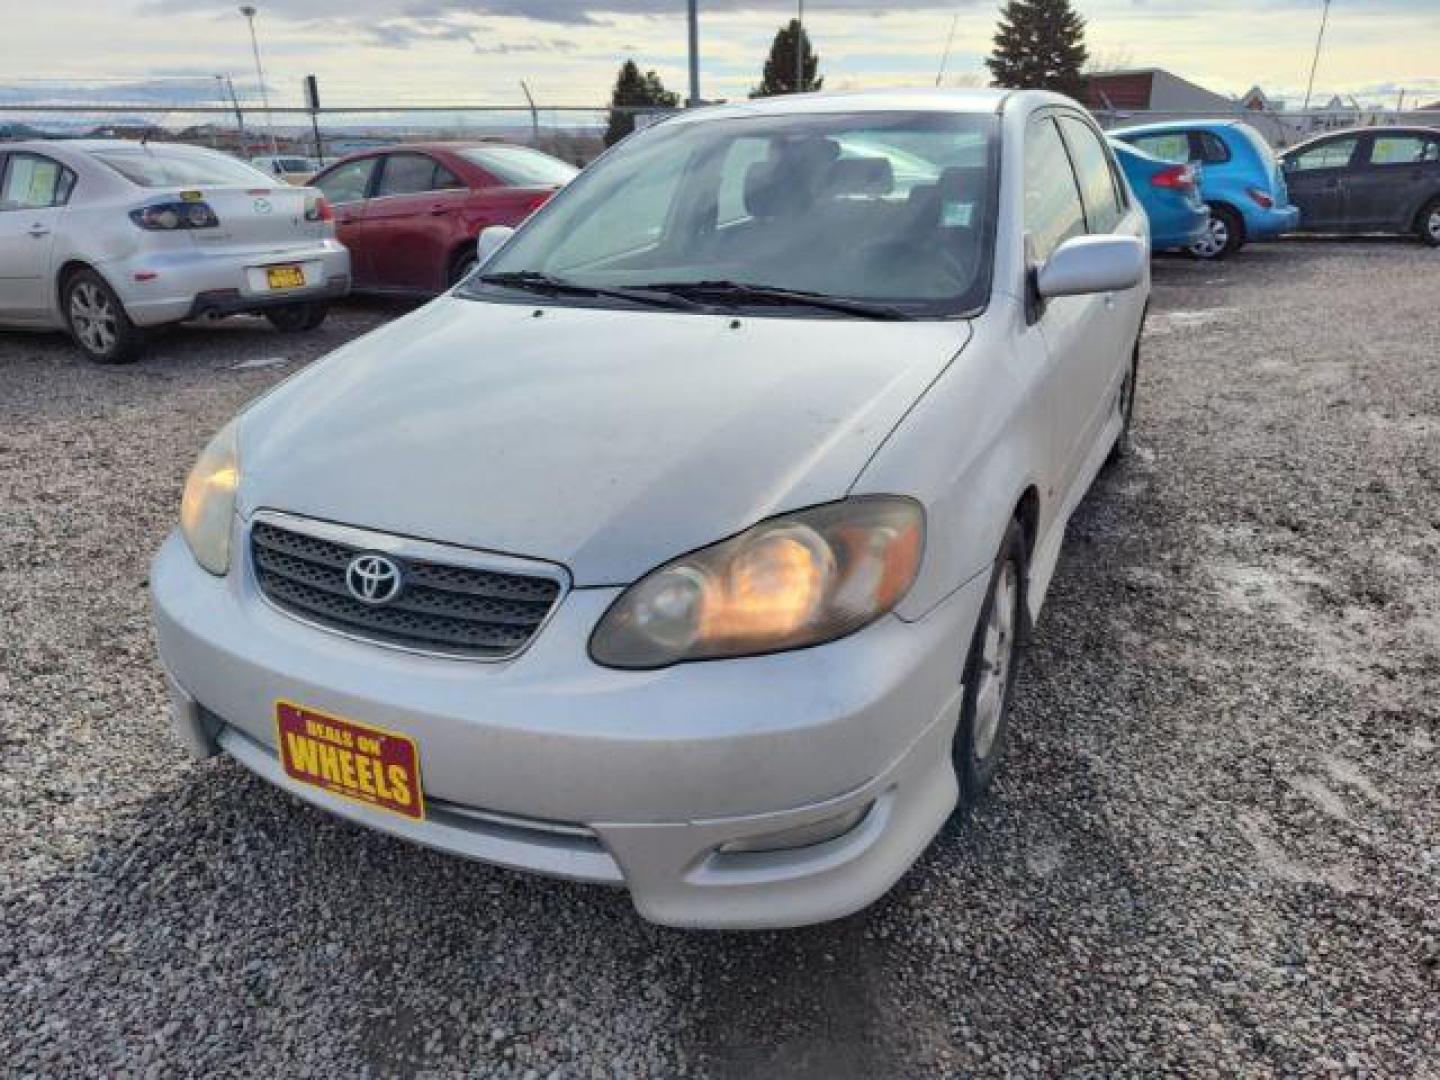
column 94, row 318
column 996, row 657
column 1432, row 226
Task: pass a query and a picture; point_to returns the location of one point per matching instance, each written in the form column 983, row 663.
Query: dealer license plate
column 355, row 761
column 285, row 277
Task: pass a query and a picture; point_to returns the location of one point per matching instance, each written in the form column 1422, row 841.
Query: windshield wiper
column 742, row 292
column 540, row 282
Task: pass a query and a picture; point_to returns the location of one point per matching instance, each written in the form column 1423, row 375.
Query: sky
column 395, row 52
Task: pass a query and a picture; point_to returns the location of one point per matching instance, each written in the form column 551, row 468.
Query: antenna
column 949, row 40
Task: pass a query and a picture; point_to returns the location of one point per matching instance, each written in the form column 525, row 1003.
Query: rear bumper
column 1178, row 228
column 549, row 763
column 1262, row 224
column 171, row 286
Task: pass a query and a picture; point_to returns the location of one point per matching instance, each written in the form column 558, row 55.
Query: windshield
column 887, row 207
column 518, row 166
column 157, row 166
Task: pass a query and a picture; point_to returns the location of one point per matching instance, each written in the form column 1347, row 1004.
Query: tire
column 97, row 320
column 1227, row 234
column 297, row 318
column 462, row 266
column 1428, row 224
column 990, row 666
column 1126, row 405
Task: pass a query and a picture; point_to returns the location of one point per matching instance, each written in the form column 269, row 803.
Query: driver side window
column 1053, row 211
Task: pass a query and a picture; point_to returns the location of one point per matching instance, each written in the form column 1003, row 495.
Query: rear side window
column 1210, row 149
column 1335, row 154
column 407, row 174
column 1053, row 212
column 32, row 182
column 1172, row 146
column 159, row 166
column 1404, row 150
column 349, row 182
column 1098, row 193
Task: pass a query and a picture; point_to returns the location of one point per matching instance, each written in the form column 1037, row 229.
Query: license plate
column 355, row 761
column 285, row 277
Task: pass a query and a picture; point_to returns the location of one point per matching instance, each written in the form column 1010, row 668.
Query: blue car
column 1170, row 196
column 1240, row 178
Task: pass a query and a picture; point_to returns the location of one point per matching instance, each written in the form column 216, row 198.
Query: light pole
column 248, row 10
column 1324, row 15
column 694, row 27
column 225, row 82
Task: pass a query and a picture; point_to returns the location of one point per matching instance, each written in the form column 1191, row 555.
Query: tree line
column 1039, row 44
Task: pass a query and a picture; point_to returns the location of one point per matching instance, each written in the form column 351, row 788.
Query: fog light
column 816, row 832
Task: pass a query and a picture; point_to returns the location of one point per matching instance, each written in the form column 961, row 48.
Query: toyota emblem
column 373, row 579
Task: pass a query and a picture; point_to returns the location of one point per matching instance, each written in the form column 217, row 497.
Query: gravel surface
column 1215, row 852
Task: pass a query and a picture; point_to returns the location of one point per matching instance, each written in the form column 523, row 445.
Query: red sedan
column 410, row 214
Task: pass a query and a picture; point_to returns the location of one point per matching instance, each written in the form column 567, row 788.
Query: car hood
column 607, row 441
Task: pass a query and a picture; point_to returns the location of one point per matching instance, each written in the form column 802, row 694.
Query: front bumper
column 553, row 764
column 186, row 284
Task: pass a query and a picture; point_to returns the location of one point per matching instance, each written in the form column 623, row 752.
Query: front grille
column 443, row 607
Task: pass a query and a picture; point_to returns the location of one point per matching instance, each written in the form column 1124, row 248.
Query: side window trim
column 1121, row 206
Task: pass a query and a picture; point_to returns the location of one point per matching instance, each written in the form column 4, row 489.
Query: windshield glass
column 888, row 207
column 157, row 166
column 519, row 166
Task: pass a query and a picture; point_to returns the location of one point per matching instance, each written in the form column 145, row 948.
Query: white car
column 288, row 167
column 106, row 238
column 689, row 545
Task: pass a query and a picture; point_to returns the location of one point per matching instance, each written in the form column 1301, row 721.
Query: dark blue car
column 1240, row 178
column 1170, row 196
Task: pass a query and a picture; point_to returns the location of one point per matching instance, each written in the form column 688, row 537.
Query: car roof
column 1165, row 127
column 976, row 102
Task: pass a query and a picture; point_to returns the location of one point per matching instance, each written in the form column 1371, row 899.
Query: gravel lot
column 1216, row 850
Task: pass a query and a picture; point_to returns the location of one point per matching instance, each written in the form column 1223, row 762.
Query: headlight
column 209, row 501
column 796, row 580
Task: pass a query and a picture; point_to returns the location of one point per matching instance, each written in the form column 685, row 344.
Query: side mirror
column 1092, row 264
column 491, row 240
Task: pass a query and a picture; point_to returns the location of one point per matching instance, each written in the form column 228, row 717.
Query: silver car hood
column 607, row 441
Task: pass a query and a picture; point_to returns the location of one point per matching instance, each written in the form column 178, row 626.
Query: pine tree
column 779, row 74
column 632, row 89
column 1039, row 44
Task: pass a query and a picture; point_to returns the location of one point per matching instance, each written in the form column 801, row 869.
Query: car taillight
column 1177, row 177
column 319, row 209
column 1262, row 199
column 164, row 216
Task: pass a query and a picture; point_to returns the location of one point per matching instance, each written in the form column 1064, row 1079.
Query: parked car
column 1373, row 180
column 107, row 238
column 1170, row 195
column 1240, row 178
column 410, row 214
column 287, row 167
column 741, row 469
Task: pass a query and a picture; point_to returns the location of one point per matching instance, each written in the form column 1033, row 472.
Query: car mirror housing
column 1092, row 264
column 490, row 241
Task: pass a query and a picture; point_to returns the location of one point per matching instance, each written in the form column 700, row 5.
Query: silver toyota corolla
column 106, row 238
column 690, row 544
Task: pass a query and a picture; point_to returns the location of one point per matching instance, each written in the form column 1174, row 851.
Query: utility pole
column 694, row 53
column 248, row 10
column 799, row 47
column 945, row 56
column 1310, row 86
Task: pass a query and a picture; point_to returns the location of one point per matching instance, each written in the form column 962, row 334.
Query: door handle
column 438, row 209
column 38, row 231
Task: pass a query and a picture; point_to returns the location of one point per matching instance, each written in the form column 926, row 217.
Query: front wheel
column 990, row 667
column 1224, row 236
column 1430, row 224
column 461, row 268
column 297, row 318
column 1125, row 406
column 98, row 321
